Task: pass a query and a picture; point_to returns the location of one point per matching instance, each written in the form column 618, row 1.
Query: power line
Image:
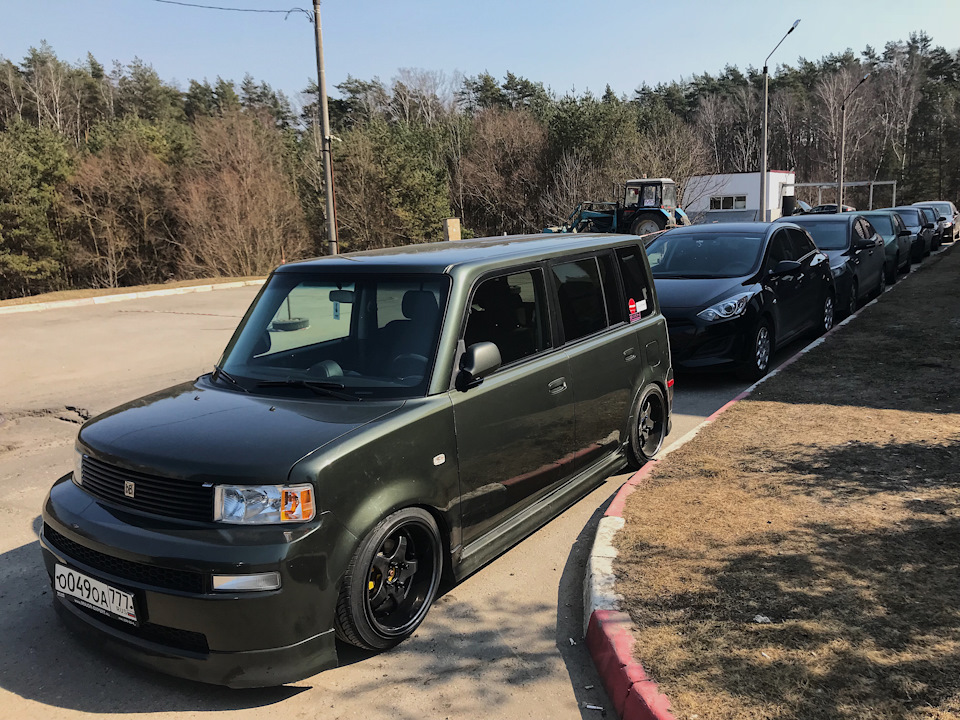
column 235, row 9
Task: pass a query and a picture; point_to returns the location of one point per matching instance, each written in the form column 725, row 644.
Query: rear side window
column 509, row 311
column 635, row 287
column 580, row 296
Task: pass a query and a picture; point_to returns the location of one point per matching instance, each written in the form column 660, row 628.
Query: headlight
column 263, row 504
column 728, row 309
column 78, row 467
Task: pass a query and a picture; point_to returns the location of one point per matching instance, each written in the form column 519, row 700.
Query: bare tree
column 238, row 210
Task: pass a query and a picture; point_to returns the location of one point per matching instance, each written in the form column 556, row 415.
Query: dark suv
column 378, row 421
column 919, row 226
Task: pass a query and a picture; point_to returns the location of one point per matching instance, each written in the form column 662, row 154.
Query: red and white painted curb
column 120, row 297
column 608, row 630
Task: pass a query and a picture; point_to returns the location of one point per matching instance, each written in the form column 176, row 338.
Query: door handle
column 629, row 354
column 557, row 386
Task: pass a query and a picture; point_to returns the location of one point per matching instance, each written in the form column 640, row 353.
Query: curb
column 608, row 631
column 121, row 297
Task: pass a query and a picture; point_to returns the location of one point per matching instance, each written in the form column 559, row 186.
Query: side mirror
column 864, row 243
column 784, row 267
column 477, row 362
column 928, row 226
column 904, row 233
column 942, row 219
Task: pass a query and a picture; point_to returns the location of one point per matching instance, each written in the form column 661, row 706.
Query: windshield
column 882, row 223
column 367, row 336
column 944, row 209
column 704, row 254
column 827, row 235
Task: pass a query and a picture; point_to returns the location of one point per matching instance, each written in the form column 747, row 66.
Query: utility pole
column 326, row 140
column 843, row 141
column 763, row 140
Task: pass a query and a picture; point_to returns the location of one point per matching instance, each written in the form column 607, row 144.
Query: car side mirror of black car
column 942, row 219
column 477, row 362
column 928, row 226
column 784, row 267
column 864, row 243
column 904, row 233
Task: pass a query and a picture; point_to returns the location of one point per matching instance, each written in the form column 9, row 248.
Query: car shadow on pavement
column 584, row 678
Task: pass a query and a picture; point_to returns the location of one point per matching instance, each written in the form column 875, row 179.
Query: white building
column 735, row 196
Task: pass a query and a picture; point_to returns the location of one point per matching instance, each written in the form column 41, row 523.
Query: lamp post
column 326, row 139
column 843, row 141
column 763, row 141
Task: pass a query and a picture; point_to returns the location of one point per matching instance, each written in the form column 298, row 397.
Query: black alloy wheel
column 881, row 284
column 391, row 581
column 648, row 423
column 757, row 363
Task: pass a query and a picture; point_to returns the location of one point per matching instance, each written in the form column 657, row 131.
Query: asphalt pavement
column 497, row 646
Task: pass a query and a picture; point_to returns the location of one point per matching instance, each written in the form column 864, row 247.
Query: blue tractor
column 647, row 205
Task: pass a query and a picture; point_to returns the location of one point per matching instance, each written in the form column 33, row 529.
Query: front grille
column 151, row 575
column 151, row 493
column 160, row 634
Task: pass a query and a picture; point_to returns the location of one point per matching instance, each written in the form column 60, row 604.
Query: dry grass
column 829, row 503
column 97, row 292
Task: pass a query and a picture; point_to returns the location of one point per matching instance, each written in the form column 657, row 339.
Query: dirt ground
column 97, row 292
column 799, row 558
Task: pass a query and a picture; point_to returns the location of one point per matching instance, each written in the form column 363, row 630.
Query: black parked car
column 733, row 293
column 897, row 241
column 918, row 225
column 933, row 218
column 947, row 216
column 856, row 255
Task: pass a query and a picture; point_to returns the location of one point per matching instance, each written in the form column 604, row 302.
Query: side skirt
column 500, row 539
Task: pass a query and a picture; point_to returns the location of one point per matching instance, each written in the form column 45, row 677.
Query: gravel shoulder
column 799, row 558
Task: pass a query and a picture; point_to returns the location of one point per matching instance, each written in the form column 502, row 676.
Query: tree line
column 114, row 177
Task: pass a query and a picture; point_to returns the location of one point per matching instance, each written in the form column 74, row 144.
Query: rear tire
column 648, row 426
column 648, row 224
column 391, row 581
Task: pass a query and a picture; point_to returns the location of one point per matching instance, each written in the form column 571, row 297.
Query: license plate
column 94, row 594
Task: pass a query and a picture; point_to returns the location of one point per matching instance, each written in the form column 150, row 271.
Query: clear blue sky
column 564, row 44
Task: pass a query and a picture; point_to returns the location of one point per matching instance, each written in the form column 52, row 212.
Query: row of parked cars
column 733, row 293
column 383, row 424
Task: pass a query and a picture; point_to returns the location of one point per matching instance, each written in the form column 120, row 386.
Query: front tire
column 757, row 363
column 892, row 275
column 852, row 299
column 827, row 317
column 391, row 581
column 648, row 426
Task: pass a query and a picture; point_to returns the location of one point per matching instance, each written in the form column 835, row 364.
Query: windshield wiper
column 219, row 372
column 321, row 388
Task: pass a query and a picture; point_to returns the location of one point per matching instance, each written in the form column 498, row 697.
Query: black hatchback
column 856, row 253
column 732, row 293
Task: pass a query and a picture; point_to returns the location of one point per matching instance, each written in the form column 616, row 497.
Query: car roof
column 824, row 217
column 759, row 228
column 441, row 257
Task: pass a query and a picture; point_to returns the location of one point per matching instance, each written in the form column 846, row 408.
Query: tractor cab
column 650, row 205
column 651, row 193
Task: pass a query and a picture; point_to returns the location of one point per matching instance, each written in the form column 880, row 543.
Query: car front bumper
column 238, row 639
column 696, row 344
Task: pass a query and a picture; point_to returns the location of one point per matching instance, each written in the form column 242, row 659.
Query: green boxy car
column 380, row 423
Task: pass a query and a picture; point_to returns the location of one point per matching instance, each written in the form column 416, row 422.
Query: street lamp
column 843, row 140
column 763, row 144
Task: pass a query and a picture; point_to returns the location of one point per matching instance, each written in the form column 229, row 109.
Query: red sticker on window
column 632, row 306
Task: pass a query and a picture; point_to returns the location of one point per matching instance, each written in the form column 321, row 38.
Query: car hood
column 197, row 432
column 685, row 293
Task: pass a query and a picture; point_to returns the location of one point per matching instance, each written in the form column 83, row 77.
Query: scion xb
column 380, row 422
